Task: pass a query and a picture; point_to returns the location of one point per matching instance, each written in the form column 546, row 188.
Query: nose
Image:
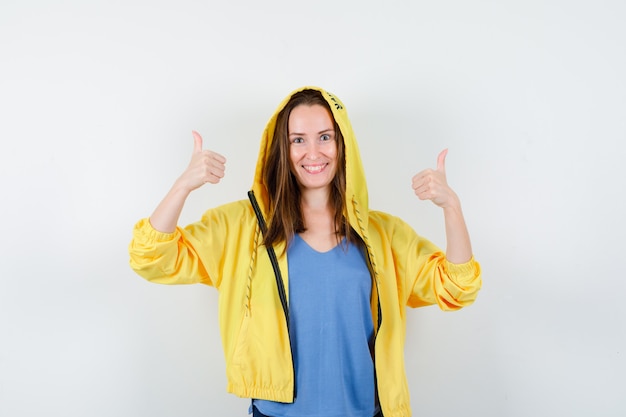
column 313, row 152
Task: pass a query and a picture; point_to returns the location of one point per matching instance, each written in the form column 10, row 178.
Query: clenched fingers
column 212, row 167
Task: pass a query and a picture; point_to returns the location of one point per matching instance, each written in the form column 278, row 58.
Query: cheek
column 298, row 152
column 294, row 157
column 333, row 152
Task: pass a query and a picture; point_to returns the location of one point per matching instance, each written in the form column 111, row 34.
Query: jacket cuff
column 463, row 272
column 147, row 233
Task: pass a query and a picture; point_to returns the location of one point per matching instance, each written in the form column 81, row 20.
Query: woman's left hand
column 431, row 184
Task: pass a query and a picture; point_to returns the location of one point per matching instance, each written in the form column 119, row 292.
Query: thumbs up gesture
column 431, row 184
column 205, row 166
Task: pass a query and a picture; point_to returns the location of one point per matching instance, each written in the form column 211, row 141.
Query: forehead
column 315, row 117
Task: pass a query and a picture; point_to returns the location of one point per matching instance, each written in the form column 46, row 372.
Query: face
column 312, row 146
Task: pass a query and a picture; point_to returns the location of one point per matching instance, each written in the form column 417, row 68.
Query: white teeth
column 313, row 169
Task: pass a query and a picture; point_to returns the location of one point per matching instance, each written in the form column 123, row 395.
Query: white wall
column 97, row 101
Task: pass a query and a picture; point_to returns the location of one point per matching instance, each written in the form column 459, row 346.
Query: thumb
column 441, row 161
column 197, row 142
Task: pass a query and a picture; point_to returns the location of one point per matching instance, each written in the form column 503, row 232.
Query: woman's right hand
column 205, row 166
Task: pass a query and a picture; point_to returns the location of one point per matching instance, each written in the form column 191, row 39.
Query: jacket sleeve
column 166, row 258
column 429, row 278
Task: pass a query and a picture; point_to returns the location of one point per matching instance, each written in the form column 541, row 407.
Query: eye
column 325, row 138
column 297, row 140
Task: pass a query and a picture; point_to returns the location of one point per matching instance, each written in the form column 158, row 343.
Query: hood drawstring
column 270, row 251
column 363, row 234
column 372, row 261
column 253, row 258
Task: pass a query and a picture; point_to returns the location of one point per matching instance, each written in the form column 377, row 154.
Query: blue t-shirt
column 331, row 333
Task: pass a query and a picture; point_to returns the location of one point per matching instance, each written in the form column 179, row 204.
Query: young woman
column 312, row 284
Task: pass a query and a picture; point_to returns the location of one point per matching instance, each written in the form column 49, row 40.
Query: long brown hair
column 285, row 217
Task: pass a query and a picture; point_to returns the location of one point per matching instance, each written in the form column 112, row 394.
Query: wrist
column 453, row 204
column 181, row 188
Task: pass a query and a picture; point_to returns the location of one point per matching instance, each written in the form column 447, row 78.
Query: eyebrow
column 319, row 133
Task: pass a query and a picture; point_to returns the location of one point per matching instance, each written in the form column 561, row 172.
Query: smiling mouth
column 314, row 169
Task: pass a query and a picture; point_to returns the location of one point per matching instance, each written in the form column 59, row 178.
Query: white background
column 97, row 103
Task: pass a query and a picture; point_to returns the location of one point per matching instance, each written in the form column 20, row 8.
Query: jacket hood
column 356, row 188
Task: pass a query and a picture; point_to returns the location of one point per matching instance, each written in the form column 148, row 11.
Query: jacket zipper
column 280, row 285
column 270, row 250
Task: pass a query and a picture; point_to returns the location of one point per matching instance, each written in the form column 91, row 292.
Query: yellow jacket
column 224, row 250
